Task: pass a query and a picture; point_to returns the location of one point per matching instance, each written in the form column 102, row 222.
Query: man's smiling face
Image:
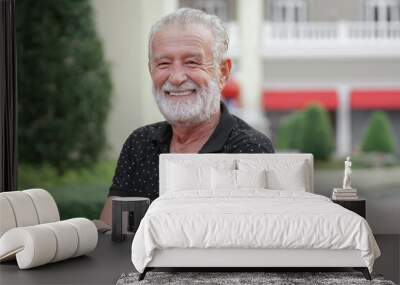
column 182, row 68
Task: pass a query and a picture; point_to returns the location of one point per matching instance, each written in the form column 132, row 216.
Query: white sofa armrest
column 40, row 244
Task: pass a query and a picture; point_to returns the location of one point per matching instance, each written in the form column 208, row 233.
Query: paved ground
column 381, row 188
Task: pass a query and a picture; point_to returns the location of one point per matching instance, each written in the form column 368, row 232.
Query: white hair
column 189, row 16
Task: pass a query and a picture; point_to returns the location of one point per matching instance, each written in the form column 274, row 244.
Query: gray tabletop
column 102, row 266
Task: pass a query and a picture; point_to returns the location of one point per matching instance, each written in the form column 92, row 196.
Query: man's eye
column 162, row 64
column 192, row 63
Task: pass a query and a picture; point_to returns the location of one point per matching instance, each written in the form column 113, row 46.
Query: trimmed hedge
column 317, row 133
column 307, row 131
column 290, row 132
column 378, row 136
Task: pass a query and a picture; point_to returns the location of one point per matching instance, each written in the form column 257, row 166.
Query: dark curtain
column 8, row 97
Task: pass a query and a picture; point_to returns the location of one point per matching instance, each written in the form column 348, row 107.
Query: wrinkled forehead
column 175, row 35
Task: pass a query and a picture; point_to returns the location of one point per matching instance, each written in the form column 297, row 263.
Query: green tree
column 378, row 136
column 317, row 135
column 290, row 132
column 64, row 85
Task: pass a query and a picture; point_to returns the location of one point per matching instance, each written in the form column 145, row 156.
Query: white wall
column 123, row 26
column 331, row 71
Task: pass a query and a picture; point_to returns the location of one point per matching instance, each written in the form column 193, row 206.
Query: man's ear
column 224, row 72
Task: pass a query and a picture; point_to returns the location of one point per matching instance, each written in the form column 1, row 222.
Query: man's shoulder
column 147, row 132
column 245, row 138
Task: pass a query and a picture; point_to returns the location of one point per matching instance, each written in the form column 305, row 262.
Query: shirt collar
column 163, row 134
column 217, row 139
column 221, row 133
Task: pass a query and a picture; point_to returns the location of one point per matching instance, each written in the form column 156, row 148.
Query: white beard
column 192, row 110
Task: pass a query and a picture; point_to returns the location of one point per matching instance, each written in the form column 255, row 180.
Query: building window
column 382, row 10
column 287, row 10
column 224, row 9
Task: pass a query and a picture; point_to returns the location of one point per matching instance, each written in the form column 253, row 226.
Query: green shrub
column 290, row 132
column 378, row 136
column 317, row 137
column 283, row 135
column 64, row 85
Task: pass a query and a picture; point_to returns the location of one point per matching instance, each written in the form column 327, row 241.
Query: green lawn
column 78, row 193
column 363, row 161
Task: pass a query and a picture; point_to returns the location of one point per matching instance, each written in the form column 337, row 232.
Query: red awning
column 375, row 99
column 281, row 100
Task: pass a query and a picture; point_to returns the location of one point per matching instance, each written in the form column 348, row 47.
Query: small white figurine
column 347, row 174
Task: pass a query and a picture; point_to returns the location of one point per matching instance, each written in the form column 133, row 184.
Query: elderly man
column 188, row 68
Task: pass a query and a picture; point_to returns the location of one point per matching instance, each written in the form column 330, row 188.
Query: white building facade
column 344, row 54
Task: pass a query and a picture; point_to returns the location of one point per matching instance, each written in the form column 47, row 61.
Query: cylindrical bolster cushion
column 87, row 234
column 23, row 208
column 67, row 240
column 7, row 218
column 45, row 205
column 33, row 246
column 41, row 244
column 26, row 208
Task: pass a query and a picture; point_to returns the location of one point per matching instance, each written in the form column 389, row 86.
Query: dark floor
column 389, row 262
column 110, row 260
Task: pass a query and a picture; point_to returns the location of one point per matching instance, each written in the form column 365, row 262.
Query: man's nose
column 177, row 75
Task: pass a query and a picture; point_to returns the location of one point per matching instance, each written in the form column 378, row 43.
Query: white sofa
column 31, row 231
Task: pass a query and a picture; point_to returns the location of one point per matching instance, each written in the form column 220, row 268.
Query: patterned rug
column 243, row 278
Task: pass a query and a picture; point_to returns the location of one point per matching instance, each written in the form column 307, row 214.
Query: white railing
column 317, row 39
column 336, row 31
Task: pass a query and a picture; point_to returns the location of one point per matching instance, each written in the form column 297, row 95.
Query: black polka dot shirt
column 137, row 169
